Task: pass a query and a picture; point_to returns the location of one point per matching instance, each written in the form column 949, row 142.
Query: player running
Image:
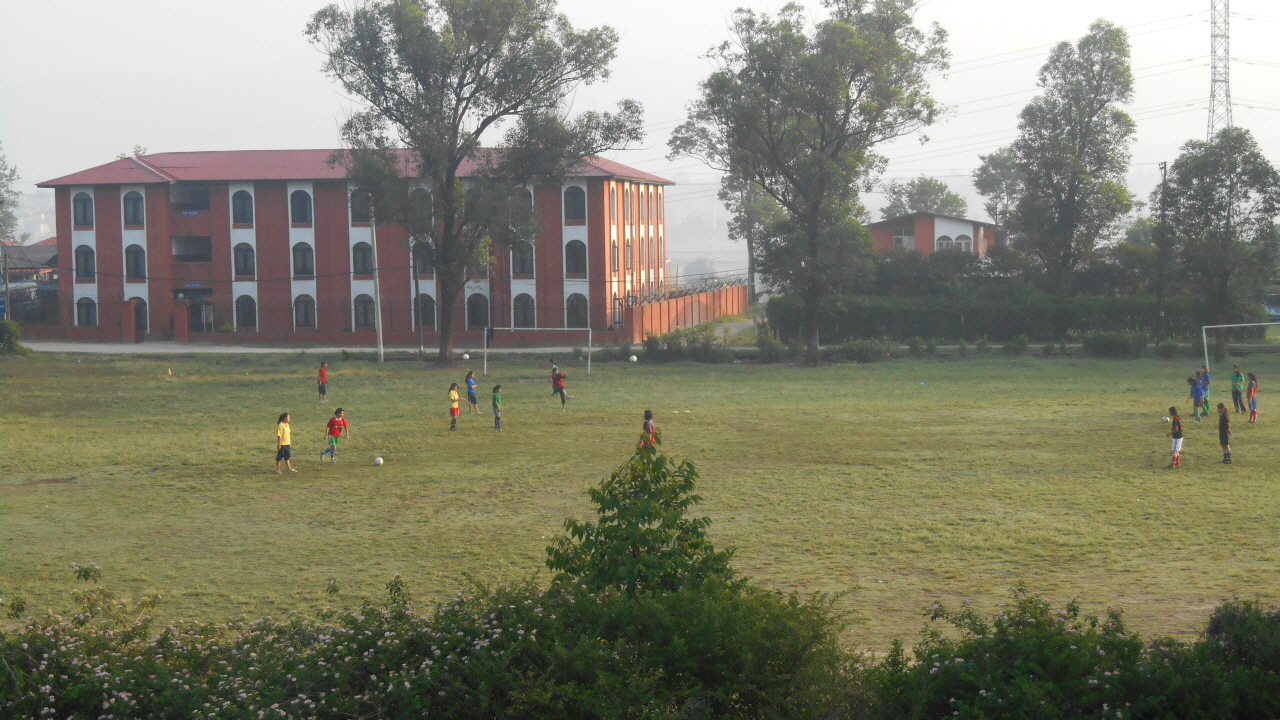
column 337, row 425
column 284, row 438
column 557, row 387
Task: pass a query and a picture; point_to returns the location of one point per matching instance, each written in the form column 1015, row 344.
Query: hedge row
column 1037, row 317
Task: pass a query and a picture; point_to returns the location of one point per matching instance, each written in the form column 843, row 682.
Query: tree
column 923, row 194
column 1073, row 150
column 642, row 542
column 797, row 112
column 999, row 180
column 9, row 196
column 440, row 76
column 1221, row 201
column 752, row 214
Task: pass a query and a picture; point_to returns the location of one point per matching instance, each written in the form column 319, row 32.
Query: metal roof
column 270, row 165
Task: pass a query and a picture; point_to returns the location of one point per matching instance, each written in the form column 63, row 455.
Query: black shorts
column 323, row 387
column 471, row 398
column 1223, row 438
column 282, row 453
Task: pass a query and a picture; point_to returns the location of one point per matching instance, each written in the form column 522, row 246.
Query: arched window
column 522, row 315
column 242, row 208
column 425, row 312
column 422, row 205
column 657, row 201
column 362, row 258
column 242, row 255
column 575, row 311
column 300, row 207
column 575, row 258
column 964, row 243
column 644, row 206
column 135, row 263
column 626, row 205
column 477, row 312
column 86, row 312
column 86, row 267
column 521, row 259
column 304, row 260
column 613, row 203
column 363, row 307
column 82, row 210
column 642, row 247
column 943, row 243
column 422, row 258
column 304, row 311
column 134, row 210
column 653, row 251
column 627, row 254
column 575, row 206
column 360, row 207
column 613, row 256
column 140, row 314
column 246, row 312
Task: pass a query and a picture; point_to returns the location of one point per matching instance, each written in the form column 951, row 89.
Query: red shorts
column 453, row 411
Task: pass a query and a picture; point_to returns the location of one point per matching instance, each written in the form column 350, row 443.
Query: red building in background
column 267, row 246
column 929, row 232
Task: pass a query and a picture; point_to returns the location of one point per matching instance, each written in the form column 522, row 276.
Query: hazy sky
column 83, row 80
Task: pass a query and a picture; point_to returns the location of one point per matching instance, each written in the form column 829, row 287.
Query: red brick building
column 266, row 246
column 929, row 232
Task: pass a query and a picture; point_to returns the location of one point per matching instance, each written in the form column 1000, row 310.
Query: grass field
column 904, row 482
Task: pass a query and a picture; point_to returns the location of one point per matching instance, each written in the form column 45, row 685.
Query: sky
column 83, row 80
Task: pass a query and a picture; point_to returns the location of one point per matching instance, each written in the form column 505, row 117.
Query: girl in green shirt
column 497, row 407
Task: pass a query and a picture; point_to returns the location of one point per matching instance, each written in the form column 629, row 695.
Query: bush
column 1040, row 317
column 1169, row 351
column 651, row 347
column 983, row 347
column 862, row 351
column 1015, row 347
column 962, row 350
column 771, row 351
column 577, row 353
column 915, row 348
column 931, row 348
column 9, row 334
column 1114, row 344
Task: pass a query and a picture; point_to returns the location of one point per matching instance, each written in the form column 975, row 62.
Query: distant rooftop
column 270, row 165
column 914, row 215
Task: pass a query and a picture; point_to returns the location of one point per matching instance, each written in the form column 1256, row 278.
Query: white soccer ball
column 632, row 358
column 466, row 356
column 1166, row 419
column 377, row 461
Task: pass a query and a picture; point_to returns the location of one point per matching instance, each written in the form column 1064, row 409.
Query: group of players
column 1244, row 397
column 338, row 428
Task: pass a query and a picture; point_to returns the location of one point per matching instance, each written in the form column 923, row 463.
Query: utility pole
column 1161, row 240
column 1219, row 66
column 748, row 197
column 417, row 296
column 4, row 271
column 377, row 286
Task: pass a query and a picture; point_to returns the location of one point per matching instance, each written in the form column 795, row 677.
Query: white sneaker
column 279, row 472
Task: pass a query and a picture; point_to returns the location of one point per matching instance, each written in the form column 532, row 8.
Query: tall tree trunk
column 448, row 302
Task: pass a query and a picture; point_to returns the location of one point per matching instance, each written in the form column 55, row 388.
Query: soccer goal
column 490, row 332
column 1204, row 334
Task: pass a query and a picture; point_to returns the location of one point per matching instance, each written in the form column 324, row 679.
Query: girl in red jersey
column 322, row 381
column 333, row 431
column 557, row 387
column 649, row 438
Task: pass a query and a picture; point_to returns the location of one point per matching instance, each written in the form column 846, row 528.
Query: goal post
column 489, row 332
column 1204, row 334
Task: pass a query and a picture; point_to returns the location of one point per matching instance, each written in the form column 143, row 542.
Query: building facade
column 268, row 246
column 929, row 232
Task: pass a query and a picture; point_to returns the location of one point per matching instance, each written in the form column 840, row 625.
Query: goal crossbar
column 1204, row 335
column 488, row 331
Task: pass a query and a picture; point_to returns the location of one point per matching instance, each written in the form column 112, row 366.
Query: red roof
column 45, row 242
column 266, row 165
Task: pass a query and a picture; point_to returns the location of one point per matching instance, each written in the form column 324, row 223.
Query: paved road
column 170, row 347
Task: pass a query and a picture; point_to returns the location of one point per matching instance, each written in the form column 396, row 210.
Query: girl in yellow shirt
column 453, row 406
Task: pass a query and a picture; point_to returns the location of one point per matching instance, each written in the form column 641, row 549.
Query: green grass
column 847, row 477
